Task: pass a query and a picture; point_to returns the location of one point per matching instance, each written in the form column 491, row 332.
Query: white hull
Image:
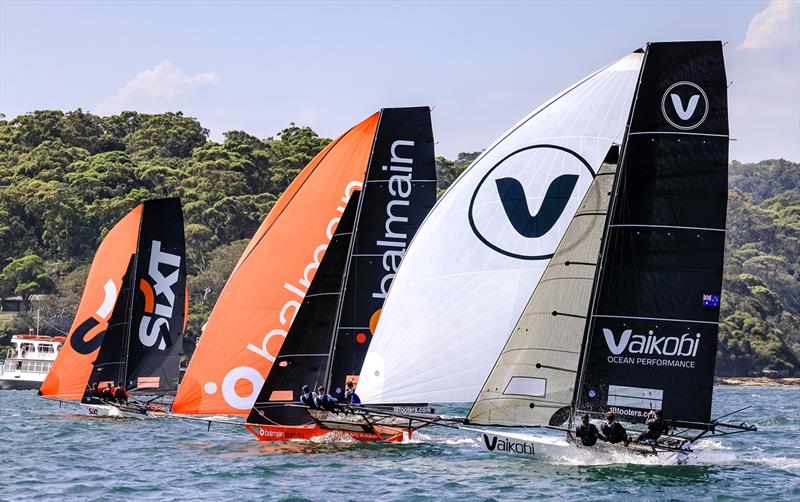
column 543, row 447
column 111, row 411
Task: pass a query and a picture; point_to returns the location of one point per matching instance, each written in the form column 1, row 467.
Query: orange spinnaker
column 262, row 296
column 70, row 372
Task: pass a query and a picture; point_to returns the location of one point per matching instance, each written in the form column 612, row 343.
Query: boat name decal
column 503, row 444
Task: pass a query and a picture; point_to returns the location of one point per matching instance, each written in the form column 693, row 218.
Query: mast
column 123, row 375
column 346, row 271
column 604, row 245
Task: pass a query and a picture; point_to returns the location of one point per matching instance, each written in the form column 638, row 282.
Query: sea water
column 48, row 453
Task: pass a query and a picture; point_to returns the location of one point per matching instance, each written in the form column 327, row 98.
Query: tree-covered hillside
column 66, row 178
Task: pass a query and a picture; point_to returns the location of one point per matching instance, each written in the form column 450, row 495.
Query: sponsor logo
column 502, row 444
column 78, row 340
column 159, row 298
column 396, row 239
column 94, row 411
column 684, row 105
column 272, row 340
column 523, row 204
column 630, row 344
column 515, row 204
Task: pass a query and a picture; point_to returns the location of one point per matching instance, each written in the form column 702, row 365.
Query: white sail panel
column 545, row 345
column 478, row 256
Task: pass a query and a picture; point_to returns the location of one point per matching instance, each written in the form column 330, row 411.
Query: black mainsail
column 652, row 332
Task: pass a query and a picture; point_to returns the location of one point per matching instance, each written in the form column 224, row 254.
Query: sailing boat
column 302, row 303
column 329, row 337
column 624, row 316
column 132, row 314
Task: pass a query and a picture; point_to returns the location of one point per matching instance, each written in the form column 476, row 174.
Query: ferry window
column 46, row 348
column 28, row 347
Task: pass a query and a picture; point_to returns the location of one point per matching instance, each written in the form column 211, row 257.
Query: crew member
column 325, row 401
column 95, row 390
column 120, row 394
column 587, row 432
column 308, row 398
column 107, row 393
column 613, row 431
column 350, row 394
column 655, row 427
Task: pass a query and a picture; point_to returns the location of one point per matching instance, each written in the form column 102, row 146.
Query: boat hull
column 13, row 384
column 111, row 411
column 311, row 432
column 541, row 447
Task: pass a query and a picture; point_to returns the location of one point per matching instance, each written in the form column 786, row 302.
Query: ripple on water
column 173, row 459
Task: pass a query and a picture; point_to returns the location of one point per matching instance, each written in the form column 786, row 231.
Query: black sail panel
column 158, row 312
column 653, row 329
column 109, row 367
column 399, row 192
column 303, row 357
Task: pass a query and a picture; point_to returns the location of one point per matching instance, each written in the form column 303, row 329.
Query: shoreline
column 758, row 381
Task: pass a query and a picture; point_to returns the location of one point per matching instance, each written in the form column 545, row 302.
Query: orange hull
column 308, row 432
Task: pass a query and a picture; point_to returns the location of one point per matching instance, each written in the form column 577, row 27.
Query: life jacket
column 587, row 433
column 308, row 400
column 614, row 431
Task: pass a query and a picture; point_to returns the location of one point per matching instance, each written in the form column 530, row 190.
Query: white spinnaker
column 470, row 271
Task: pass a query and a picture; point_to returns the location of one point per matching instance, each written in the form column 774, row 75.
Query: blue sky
column 257, row 66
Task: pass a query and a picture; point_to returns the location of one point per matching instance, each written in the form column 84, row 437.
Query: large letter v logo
column 516, row 205
column 684, row 113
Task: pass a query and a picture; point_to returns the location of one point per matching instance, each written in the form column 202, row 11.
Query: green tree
column 26, row 277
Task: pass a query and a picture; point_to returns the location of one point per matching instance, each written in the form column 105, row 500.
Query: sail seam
column 653, row 319
column 668, row 226
column 680, row 133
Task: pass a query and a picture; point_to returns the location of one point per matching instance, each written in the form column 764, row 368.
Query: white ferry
column 28, row 361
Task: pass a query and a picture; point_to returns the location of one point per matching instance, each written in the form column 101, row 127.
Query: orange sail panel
column 70, row 372
column 256, row 309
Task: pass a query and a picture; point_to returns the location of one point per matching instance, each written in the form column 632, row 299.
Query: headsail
column 652, row 335
column 534, row 378
column 70, row 372
column 263, row 295
column 328, row 340
column 480, row 253
column 123, row 332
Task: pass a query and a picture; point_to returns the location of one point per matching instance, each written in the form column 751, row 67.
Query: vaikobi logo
column 684, row 105
column 159, row 298
column 496, row 443
column 524, row 203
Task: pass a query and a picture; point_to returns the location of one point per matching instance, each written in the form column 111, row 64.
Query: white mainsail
column 480, row 253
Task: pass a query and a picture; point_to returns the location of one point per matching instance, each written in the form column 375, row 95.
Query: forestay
column 478, row 256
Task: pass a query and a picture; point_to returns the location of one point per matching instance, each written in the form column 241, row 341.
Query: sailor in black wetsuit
column 655, row 427
column 308, row 398
column 587, row 432
column 325, row 401
column 350, row 394
column 613, row 430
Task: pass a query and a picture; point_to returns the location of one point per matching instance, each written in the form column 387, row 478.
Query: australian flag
column 710, row 301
